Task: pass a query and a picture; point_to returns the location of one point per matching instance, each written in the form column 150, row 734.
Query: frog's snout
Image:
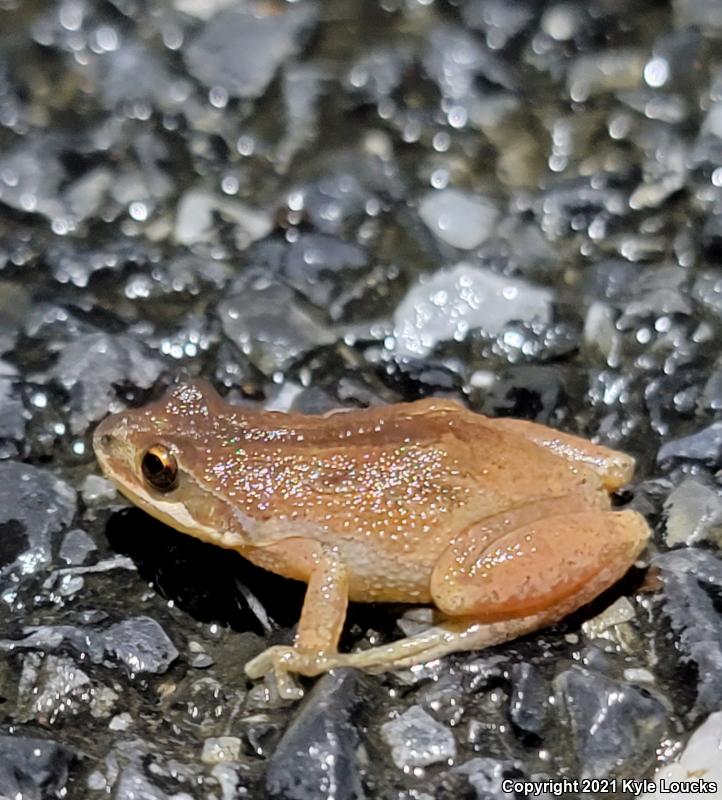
column 110, row 439
column 103, row 437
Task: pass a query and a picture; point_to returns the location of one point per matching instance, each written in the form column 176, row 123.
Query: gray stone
column 269, row 326
column 600, row 330
column 32, row 175
column 665, row 172
column 335, row 200
column 690, row 577
column 139, row 643
column 317, row 265
column 34, row 505
column 460, row 219
column 527, row 391
column 12, row 414
column 73, row 263
column 499, row 20
column 705, row 446
column 227, row 777
column 529, row 702
column 601, row 713
column 33, row 769
column 454, row 58
column 302, row 86
column 707, row 289
column 133, row 784
column 416, row 739
column 486, row 777
column 657, row 290
column 694, row 512
column 712, row 392
column 700, row 759
column 52, row 687
column 241, row 48
column 220, row 749
column 91, row 366
column 195, row 222
column 378, row 72
column 76, row 546
column 133, row 74
column 453, row 301
column 317, row 754
column 98, row 491
column 566, row 205
column 34, row 180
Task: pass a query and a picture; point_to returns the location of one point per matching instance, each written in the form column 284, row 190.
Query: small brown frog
column 503, row 525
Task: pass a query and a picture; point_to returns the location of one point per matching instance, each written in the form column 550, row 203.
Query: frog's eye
column 160, row 468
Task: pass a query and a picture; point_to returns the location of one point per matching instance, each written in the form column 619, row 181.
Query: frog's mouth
column 174, row 514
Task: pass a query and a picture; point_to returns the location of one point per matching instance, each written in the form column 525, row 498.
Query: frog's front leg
column 319, row 629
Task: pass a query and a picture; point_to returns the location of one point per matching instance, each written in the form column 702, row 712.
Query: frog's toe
column 286, row 685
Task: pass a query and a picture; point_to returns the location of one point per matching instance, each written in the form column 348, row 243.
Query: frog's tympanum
column 503, row 525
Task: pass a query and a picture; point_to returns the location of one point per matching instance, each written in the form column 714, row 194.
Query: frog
column 501, row 526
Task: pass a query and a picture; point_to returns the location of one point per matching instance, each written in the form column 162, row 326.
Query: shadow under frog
column 207, row 582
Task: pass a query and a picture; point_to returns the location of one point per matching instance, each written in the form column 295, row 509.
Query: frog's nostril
column 105, row 440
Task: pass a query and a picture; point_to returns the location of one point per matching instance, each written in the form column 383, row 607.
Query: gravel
column 515, row 205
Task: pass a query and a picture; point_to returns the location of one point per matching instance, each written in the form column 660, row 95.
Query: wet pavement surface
column 314, row 205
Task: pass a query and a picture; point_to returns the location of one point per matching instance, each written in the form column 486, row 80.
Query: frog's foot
column 279, row 661
column 450, row 636
column 319, row 628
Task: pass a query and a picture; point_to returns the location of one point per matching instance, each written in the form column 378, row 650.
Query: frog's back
column 421, row 421
column 396, row 472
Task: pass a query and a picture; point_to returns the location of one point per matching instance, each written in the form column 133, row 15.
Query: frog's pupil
column 153, row 465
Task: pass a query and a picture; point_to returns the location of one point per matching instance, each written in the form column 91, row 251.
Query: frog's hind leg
column 532, row 576
column 614, row 468
column 549, row 566
column 490, row 587
column 315, row 650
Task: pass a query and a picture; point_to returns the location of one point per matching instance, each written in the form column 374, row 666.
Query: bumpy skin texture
column 501, row 523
